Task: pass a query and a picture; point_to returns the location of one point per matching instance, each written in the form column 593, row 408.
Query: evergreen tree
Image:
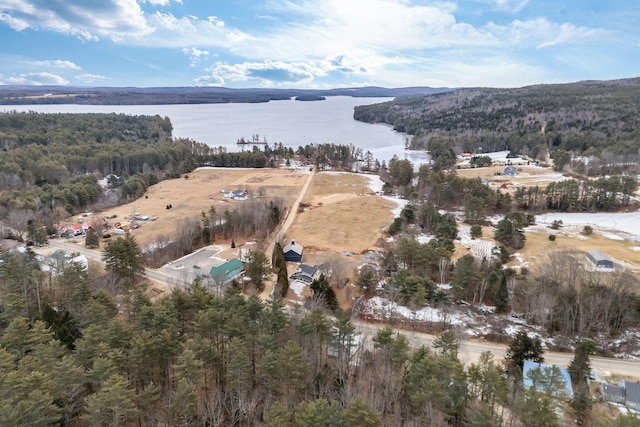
column 447, row 344
column 580, row 365
column 124, row 258
column 322, row 289
column 523, row 348
column 581, row 403
column 359, row 413
column 257, row 267
column 92, row 239
column 502, row 299
column 112, row 405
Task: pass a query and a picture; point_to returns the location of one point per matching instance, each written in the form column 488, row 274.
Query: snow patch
column 297, row 287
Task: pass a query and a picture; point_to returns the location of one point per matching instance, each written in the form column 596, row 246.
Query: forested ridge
column 587, row 118
column 27, row 95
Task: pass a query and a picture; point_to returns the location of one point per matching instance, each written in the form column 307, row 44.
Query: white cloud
column 91, row 78
column 160, row 2
column 510, row 5
column 195, row 54
column 38, row 79
column 56, row 63
column 266, row 73
column 114, row 19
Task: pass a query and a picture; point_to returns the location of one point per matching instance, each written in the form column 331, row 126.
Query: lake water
column 294, row 123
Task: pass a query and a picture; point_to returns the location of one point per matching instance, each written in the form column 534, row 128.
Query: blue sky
column 317, row 43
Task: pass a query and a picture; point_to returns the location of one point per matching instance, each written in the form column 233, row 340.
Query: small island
column 309, row 98
column 255, row 140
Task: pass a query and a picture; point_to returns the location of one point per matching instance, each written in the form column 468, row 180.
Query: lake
column 294, row 123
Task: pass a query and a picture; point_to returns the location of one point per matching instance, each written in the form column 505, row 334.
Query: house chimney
column 293, row 242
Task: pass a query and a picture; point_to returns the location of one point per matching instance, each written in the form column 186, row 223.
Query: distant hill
column 588, row 117
column 26, row 95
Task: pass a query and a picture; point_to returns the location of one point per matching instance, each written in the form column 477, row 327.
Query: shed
column 612, row 393
column 227, row 271
column 632, row 390
column 599, row 259
column 293, row 252
column 527, row 381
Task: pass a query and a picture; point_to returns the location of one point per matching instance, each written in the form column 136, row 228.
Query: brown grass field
column 342, row 217
column 199, row 192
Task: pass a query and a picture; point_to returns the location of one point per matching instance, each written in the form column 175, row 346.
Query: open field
column 526, row 176
column 344, row 218
column 202, row 190
column 343, row 215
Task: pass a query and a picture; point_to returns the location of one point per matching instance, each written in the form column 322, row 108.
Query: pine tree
column 92, row 239
column 124, row 258
column 447, row 344
column 112, row 405
column 502, row 299
column 523, row 348
column 580, row 366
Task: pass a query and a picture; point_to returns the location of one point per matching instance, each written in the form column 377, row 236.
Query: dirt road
column 282, row 230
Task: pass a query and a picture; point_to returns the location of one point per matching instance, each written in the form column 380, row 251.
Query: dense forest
column 75, row 351
column 592, row 118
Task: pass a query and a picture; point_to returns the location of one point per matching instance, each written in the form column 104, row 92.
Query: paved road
column 96, row 255
column 469, row 350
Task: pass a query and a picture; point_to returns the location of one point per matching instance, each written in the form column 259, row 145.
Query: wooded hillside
column 588, row 118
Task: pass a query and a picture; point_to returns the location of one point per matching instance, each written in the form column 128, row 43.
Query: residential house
column 613, row 393
column 632, row 390
column 510, row 170
column 306, row 273
column 293, row 252
column 57, row 260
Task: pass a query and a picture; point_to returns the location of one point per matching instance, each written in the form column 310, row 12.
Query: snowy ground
column 482, row 322
column 375, row 184
column 615, row 226
column 297, row 287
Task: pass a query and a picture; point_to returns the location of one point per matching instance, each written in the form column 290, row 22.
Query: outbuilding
column 293, row 252
column 227, row 271
column 599, row 260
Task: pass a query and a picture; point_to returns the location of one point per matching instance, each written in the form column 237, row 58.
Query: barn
column 293, row 252
column 599, row 260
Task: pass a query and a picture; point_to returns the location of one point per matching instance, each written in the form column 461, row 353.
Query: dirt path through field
column 291, row 216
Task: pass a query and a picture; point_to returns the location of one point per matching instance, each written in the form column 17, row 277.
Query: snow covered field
column 614, row 226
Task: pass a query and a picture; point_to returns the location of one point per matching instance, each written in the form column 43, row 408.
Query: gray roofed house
column 510, row 170
column 293, row 252
column 612, row 393
column 599, row 259
column 306, row 273
column 632, row 390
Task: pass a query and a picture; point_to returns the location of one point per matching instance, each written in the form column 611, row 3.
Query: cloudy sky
column 317, row 43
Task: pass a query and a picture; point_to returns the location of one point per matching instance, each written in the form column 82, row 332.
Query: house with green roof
column 226, row 272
